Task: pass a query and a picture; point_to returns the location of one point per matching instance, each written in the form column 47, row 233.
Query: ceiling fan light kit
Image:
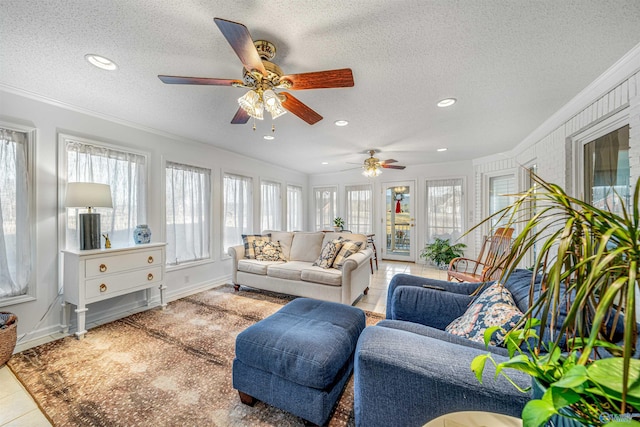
column 264, row 79
column 372, row 166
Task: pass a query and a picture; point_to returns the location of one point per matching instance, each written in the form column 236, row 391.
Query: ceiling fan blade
column 178, row 80
column 392, row 166
column 390, row 161
column 240, row 40
column 320, row 79
column 293, row 105
column 240, row 118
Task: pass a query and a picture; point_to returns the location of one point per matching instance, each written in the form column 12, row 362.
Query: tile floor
column 17, row 408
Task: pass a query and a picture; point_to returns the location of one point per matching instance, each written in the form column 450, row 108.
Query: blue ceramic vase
column 142, row 234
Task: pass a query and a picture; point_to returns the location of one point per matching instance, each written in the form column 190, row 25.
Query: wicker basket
column 8, row 335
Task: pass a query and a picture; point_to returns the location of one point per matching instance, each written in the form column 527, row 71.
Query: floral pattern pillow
column 270, row 251
column 349, row 247
column 493, row 307
column 329, row 253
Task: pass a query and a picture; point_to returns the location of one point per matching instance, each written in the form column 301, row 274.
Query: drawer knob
column 103, row 288
column 103, row 268
column 149, row 276
column 150, row 260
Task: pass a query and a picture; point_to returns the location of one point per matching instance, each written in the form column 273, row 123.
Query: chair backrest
column 494, row 248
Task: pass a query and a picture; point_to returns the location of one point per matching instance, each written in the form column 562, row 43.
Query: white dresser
column 95, row 275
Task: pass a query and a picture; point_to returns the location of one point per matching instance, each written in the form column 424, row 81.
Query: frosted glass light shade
column 252, row 104
column 272, row 104
column 88, row 195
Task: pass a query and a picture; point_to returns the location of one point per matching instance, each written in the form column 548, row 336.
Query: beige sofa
column 297, row 276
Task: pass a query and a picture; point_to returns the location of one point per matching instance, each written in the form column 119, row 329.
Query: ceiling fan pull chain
column 254, row 124
column 273, row 128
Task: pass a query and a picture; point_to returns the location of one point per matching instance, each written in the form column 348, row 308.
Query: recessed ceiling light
column 325, row 163
column 101, row 62
column 341, row 122
column 447, row 102
column 441, row 149
column 269, row 137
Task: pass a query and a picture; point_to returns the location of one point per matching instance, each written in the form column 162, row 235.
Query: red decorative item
column 398, row 210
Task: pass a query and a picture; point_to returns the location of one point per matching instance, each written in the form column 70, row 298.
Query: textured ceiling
column 510, row 63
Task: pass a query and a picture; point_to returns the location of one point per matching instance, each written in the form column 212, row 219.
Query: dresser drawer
column 117, row 263
column 116, row 284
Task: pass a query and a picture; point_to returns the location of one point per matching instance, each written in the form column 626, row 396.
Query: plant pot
column 8, row 336
column 337, row 229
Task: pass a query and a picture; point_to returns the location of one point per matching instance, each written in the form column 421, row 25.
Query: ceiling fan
column 373, row 166
column 265, row 80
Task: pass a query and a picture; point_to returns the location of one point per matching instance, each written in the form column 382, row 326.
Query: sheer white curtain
column 359, row 207
column 15, row 233
column 294, row 208
column 270, row 206
column 444, row 209
column 237, row 208
column 126, row 174
column 188, row 204
column 325, row 207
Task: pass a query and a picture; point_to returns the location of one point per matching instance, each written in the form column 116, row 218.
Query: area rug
column 160, row 368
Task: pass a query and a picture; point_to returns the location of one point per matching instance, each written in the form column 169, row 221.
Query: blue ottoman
column 299, row 358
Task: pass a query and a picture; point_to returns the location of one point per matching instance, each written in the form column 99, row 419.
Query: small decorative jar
column 142, row 234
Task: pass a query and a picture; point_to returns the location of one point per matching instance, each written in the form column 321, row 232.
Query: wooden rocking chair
column 487, row 266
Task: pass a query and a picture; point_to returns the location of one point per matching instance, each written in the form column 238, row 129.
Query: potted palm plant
column 338, row 224
column 578, row 338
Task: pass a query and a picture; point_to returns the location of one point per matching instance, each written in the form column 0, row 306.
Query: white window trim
column 223, row 172
column 373, row 206
column 285, row 200
column 32, row 136
column 313, row 201
column 579, row 140
column 282, row 202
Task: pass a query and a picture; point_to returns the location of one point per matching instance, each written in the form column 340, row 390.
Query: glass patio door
column 399, row 237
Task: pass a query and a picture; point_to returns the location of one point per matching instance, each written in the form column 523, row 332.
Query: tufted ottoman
column 299, row 358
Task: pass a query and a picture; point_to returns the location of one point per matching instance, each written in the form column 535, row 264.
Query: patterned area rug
column 160, row 368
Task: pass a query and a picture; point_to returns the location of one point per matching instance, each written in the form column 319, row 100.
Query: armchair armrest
column 406, row 379
column 236, row 253
column 417, row 281
column 426, row 306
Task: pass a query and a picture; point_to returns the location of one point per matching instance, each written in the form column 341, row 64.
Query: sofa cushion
column 270, row 251
column 256, row 267
column 325, row 276
column 285, row 238
column 306, row 246
column 249, row 239
column 291, row 270
column 328, row 253
column 493, row 307
column 349, row 247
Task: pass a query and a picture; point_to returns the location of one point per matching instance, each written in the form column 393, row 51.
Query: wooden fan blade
column 390, row 161
column 293, row 105
column 320, row 79
column 240, row 40
column 392, row 166
column 240, row 118
column 178, row 80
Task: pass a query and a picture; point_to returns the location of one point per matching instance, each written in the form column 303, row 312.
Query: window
column 444, row 209
column 270, row 206
column 359, row 207
column 237, row 209
column 16, row 255
column 294, row 208
column 126, row 174
column 188, row 213
column 325, row 207
column 499, row 189
column 606, row 171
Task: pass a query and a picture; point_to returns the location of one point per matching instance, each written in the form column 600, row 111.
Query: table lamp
column 88, row 195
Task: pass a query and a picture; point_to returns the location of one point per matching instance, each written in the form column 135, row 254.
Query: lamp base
column 89, row 231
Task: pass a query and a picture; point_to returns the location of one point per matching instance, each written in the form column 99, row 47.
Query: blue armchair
column 408, row 370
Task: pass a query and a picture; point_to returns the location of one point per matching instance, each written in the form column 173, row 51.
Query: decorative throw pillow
column 248, row 240
column 349, row 247
column 270, row 251
column 329, row 253
column 493, row 307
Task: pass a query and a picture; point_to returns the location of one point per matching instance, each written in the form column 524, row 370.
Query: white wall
column 42, row 317
column 419, row 175
column 614, row 95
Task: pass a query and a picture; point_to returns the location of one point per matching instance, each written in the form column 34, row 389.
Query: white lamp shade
column 88, row 195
